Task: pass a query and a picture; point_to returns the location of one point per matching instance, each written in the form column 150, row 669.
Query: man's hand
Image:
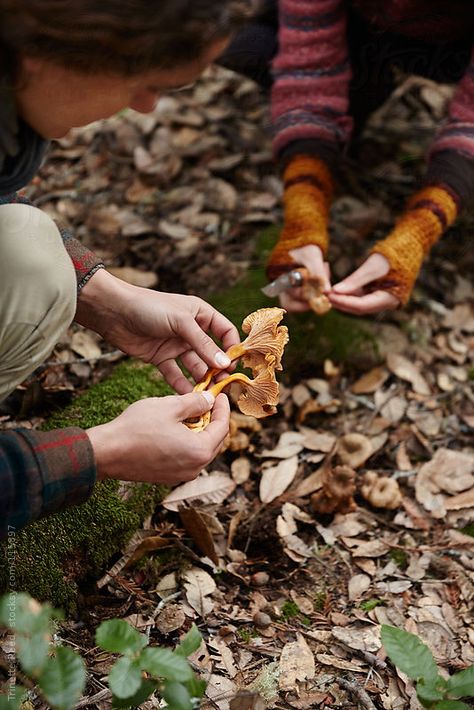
column 350, row 295
column 148, row 442
column 311, row 257
column 157, row 327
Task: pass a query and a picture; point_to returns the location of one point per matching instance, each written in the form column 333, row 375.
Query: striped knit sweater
column 312, row 74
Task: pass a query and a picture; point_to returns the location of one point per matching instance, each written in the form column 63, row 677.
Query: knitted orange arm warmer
column 428, row 214
column 308, row 189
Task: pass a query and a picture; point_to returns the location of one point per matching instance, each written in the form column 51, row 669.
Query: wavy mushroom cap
column 264, row 337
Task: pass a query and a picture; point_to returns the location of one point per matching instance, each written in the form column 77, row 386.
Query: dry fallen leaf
column 199, row 585
column 296, row 664
column 214, row 488
column 407, row 370
column 276, row 479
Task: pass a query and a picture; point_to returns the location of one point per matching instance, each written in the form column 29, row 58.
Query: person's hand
column 311, row 257
column 157, row 327
column 148, row 442
column 350, row 295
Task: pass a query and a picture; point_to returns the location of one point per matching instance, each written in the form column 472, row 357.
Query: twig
column 104, row 694
column 352, row 685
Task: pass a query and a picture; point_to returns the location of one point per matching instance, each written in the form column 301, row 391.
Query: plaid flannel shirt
column 44, row 472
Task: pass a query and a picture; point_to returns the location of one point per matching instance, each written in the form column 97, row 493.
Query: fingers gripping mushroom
column 261, row 351
column 313, row 292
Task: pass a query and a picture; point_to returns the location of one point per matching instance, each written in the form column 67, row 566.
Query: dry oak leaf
column 407, row 370
column 296, row 664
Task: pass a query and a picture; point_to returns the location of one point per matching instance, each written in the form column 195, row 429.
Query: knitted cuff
column 428, row 214
column 308, row 189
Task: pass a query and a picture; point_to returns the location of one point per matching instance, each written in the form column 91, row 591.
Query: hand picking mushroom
column 261, row 351
column 380, row 491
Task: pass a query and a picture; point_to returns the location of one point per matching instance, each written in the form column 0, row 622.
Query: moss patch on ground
column 52, row 555
column 312, row 338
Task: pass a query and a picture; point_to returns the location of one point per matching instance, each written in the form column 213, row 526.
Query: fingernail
column 209, row 397
column 222, row 360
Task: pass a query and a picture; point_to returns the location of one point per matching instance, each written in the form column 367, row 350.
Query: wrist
column 107, row 448
column 99, row 301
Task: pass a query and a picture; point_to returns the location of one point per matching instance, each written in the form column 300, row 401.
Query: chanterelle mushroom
column 261, row 351
column 313, row 292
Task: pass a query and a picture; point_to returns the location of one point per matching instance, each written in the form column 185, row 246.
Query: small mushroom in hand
column 354, row 449
column 261, row 351
column 380, row 491
column 312, row 291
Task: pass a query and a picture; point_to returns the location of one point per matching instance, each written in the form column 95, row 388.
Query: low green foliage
column 371, row 604
column 58, row 673
column 290, row 610
column 415, row 659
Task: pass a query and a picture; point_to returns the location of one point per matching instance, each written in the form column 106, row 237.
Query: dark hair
column 119, row 36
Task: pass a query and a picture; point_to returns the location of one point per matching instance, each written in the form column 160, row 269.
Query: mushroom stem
column 235, row 377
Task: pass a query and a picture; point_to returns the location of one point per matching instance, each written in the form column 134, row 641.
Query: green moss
column 312, row 338
column 400, row 557
column 320, row 599
column 52, row 555
column 290, row 610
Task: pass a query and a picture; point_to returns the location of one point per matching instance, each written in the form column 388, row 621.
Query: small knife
column 283, row 283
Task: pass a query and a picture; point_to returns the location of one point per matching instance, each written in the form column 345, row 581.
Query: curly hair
column 118, row 36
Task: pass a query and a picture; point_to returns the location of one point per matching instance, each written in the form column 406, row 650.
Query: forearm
column 428, row 214
column 42, row 473
column 308, row 190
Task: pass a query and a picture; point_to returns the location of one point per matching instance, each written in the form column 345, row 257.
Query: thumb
column 194, row 404
column 373, row 268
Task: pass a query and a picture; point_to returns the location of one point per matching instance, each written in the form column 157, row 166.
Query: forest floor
column 288, row 594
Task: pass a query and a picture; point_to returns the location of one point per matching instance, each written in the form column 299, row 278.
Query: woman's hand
column 157, row 327
column 311, row 257
column 149, row 442
column 350, row 295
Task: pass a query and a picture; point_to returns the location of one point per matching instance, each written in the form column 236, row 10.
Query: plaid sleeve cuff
column 85, row 262
column 46, row 471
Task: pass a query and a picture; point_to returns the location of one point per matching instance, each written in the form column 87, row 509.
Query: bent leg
column 37, row 291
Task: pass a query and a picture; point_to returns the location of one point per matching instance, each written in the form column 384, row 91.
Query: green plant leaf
column 24, row 615
column 451, row 705
column 117, row 636
column 164, row 663
column 461, row 685
column 13, row 700
column 177, row 696
column 429, row 693
column 409, row 654
column 190, row 643
column 32, row 652
column 125, row 678
column 196, row 687
column 143, row 693
column 63, row 679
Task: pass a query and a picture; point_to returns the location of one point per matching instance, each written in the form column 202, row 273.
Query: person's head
column 75, row 61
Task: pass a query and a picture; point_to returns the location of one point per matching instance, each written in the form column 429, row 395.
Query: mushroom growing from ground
column 354, row 449
column 380, row 491
column 337, row 492
column 261, row 351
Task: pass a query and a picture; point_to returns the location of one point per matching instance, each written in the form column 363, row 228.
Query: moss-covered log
column 49, row 557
